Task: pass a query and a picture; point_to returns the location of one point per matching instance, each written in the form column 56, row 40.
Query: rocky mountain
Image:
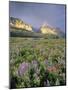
column 48, row 30
column 16, row 23
column 20, row 28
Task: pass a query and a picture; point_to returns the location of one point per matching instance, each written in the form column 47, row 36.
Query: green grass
column 42, row 50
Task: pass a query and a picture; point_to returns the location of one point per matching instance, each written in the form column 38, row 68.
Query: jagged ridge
column 45, row 31
column 19, row 24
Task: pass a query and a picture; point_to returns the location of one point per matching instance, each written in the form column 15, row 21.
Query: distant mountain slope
column 19, row 28
column 19, row 24
column 19, row 33
column 48, row 30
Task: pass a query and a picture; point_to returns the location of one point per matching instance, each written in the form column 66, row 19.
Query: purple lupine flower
column 34, row 63
column 35, row 66
column 23, row 68
column 46, row 62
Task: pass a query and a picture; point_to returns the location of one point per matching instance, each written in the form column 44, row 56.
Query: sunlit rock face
column 45, row 29
column 19, row 24
column 28, row 27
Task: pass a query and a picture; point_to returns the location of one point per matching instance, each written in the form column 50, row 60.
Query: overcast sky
column 37, row 14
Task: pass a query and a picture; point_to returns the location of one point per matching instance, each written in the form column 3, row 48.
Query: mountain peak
column 47, row 29
column 19, row 24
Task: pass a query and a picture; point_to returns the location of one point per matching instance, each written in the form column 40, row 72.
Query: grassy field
column 37, row 62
